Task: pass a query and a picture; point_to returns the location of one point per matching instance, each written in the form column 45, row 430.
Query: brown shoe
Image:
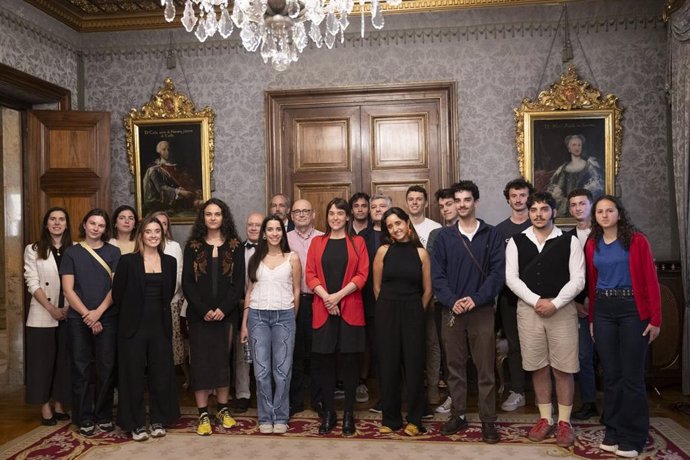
column 541, row 430
column 565, row 437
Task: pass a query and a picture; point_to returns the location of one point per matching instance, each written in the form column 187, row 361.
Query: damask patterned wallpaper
column 496, row 56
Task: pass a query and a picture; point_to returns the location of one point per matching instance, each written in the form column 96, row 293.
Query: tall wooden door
column 326, row 143
column 67, row 164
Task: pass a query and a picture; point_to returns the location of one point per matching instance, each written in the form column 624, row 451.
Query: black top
column 197, row 282
column 131, row 289
column 334, row 262
column 57, row 255
column 402, row 273
column 153, row 292
column 372, row 238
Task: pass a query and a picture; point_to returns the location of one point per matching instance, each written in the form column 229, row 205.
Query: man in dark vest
column 546, row 270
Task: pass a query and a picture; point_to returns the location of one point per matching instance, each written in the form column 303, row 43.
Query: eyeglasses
column 304, row 212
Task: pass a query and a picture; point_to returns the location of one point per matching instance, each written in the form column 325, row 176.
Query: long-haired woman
column 402, row 286
column 87, row 269
column 625, row 317
column 269, row 322
column 178, row 304
column 142, row 290
column 213, row 284
column 125, row 223
column 47, row 356
column 337, row 269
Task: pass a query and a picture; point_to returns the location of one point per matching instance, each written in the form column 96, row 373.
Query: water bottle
column 247, row 353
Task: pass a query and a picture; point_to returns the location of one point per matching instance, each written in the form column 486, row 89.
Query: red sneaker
column 541, row 430
column 565, row 437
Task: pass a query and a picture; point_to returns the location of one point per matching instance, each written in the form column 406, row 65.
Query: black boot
column 329, row 421
column 349, row 424
column 585, row 411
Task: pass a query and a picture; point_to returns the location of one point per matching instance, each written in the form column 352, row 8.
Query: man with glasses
column 303, row 369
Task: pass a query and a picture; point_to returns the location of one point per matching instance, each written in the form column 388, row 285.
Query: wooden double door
column 335, row 142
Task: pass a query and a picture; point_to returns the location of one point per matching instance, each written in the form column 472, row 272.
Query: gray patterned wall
column 497, row 57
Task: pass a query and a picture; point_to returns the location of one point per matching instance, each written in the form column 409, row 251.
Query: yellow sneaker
column 412, row 430
column 383, row 429
column 204, row 426
column 223, row 417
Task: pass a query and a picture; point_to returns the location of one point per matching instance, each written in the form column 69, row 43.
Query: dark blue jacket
column 455, row 275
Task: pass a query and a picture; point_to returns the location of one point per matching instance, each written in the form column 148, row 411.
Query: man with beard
column 546, row 270
column 359, row 204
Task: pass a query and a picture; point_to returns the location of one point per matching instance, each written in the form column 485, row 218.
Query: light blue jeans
column 272, row 339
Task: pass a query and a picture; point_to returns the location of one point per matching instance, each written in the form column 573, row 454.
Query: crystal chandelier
column 279, row 29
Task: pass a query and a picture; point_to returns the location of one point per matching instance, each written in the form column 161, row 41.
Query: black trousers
column 349, row 363
column 146, row 360
column 48, row 365
column 100, row 351
column 508, row 313
column 401, row 345
column 304, row 367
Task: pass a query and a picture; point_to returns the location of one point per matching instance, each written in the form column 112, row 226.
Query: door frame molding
column 31, row 90
column 277, row 101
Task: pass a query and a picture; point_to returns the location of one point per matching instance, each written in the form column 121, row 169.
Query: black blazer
column 196, row 279
column 128, row 292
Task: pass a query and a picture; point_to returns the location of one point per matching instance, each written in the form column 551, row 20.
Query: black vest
column 550, row 272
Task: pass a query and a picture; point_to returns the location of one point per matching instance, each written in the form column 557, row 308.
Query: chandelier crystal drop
column 279, row 29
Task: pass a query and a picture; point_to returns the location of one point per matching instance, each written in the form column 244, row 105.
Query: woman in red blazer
column 337, row 269
column 625, row 317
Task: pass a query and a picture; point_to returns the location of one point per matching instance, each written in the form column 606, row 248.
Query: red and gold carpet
column 667, row 440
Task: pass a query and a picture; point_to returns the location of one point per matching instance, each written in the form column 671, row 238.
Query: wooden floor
column 18, row 418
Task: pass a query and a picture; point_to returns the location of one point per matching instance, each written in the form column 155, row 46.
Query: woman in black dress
column 143, row 287
column 47, row 357
column 213, row 283
column 402, row 286
column 337, row 269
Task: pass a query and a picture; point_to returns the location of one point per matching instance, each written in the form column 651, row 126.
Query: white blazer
column 41, row 273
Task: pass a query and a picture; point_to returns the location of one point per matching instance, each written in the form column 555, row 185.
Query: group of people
column 384, row 289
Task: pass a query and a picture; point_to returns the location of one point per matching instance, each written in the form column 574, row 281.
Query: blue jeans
column 623, row 351
column 588, row 389
column 272, row 338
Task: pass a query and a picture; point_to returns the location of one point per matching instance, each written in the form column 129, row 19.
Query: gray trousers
column 475, row 328
column 240, row 366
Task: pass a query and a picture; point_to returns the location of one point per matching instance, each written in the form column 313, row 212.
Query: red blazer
column 357, row 271
column 645, row 283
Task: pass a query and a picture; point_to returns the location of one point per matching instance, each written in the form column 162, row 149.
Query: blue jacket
column 455, row 275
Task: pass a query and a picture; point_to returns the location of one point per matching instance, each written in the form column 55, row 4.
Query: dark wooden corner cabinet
column 664, row 359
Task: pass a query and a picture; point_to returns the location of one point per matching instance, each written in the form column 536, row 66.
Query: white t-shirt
column 424, row 229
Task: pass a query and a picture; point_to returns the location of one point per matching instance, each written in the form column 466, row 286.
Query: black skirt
column 209, row 351
column 337, row 336
column 48, row 365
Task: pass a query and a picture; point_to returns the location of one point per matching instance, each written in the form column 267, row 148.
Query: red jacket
column 357, row 271
column 645, row 283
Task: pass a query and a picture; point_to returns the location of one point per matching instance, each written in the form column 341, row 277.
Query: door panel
column 339, row 141
column 67, row 164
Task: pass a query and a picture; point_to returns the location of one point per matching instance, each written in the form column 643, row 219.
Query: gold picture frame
column 570, row 137
column 176, row 177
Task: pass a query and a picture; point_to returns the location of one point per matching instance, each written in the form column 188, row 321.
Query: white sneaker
column 609, row 447
column 513, row 401
column 280, row 428
column 627, row 453
column 362, row 393
column 266, row 429
column 445, row 407
column 140, row 434
column 157, row 430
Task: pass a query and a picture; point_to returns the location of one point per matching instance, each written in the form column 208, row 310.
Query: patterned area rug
column 667, row 440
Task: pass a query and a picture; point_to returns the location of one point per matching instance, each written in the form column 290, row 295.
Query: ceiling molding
column 128, row 15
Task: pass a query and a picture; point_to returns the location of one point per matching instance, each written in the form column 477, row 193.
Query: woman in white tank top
column 268, row 323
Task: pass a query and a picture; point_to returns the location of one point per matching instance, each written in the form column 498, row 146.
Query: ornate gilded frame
column 569, row 107
column 171, row 116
